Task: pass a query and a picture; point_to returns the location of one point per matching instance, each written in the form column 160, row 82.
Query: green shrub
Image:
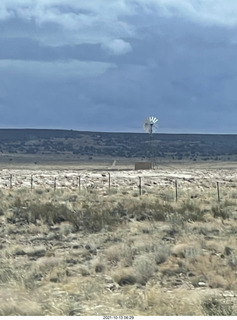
column 215, row 307
column 48, row 213
column 161, row 210
column 176, row 220
column 93, row 219
column 191, row 211
column 220, row 211
column 147, row 210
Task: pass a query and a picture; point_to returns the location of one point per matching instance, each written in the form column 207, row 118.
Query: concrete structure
column 143, row 165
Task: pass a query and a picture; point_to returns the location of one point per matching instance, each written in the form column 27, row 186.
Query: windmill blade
column 149, row 123
column 153, row 120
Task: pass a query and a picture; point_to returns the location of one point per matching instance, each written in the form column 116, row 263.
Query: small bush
column 161, row 210
column 161, row 254
column 148, row 210
column 91, row 218
column 144, row 269
column 176, row 220
column 214, row 307
column 94, row 219
column 191, row 211
column 48, row 213
column 220, row 211
column 232, row 261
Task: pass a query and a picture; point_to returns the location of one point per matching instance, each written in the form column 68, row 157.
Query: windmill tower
column 150, row 125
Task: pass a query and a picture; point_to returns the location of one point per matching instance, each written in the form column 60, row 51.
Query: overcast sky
column 105, row 65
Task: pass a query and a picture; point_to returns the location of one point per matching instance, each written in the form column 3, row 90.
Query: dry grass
column 93, row 253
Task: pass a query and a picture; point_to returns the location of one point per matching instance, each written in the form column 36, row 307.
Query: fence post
column 10, row 178
column 31, row 182
column 109, row 180
column 55, row 184
column 79, row 182
column 140, row 186
column 218, row 191
column 176, row 190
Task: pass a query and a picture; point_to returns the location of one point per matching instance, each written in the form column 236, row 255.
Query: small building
column 144, row 165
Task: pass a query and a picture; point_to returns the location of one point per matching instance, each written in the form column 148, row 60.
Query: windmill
column 150, row 125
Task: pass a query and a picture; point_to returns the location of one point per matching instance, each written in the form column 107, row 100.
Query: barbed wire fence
column 167, row 188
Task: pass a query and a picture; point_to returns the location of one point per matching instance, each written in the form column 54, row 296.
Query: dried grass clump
column 124, row 276
column 122, row 254
column 216, row 281
column 55, row 300
column 46, row 264
column 179, row 302
column 186, row 250
column 8, row 273
column 15, row 302
column 214, row 246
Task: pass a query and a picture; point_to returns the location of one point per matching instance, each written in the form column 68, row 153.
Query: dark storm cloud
column 99, row 65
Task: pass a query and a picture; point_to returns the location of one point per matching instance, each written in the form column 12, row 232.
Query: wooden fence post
column 31, row 182
column 176, row 190
column 140, row 186
column 109, row 180
column 10, row 178
column 79, row 182
column 218, row 191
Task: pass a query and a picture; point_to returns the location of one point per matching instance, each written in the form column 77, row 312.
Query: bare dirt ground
column 91, row 242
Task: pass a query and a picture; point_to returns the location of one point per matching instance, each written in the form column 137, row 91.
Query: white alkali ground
column 150, row 179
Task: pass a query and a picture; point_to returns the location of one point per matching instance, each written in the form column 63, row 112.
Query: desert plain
column 118, row 241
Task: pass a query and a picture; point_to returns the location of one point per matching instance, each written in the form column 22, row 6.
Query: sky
column 106, row 65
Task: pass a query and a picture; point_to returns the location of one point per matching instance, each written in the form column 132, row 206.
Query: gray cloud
column 117, row 47
column 56, row 70
column 106, row 65
column 73, row 22
column 99, row 21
